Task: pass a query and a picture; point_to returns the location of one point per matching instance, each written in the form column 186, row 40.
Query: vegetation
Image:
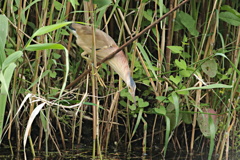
column 186, row 69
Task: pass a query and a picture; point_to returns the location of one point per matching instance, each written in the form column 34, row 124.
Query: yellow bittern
column 105, row 45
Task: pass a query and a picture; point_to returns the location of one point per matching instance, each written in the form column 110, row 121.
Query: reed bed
column 186, row 68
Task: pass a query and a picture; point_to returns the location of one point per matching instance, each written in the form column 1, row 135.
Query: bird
column 105, row 45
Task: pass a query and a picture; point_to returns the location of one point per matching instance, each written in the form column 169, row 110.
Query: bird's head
column 74, row 27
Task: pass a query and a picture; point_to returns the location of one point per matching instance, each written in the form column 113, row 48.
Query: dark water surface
column 86, row 154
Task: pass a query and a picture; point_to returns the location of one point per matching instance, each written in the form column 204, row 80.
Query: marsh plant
column 186, row 69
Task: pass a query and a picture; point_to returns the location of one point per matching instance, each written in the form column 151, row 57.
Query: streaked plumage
column 105, row 45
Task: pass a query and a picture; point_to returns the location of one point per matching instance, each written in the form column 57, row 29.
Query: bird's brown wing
column 84, row 36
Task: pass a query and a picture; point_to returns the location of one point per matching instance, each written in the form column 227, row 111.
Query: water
column 86, row 154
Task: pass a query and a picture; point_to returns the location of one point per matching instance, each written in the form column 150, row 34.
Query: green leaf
column 132, row 107
column 141, row 103
column 175, row 80
column 160, row 111
column 181, row 64
column 3, row 37
column 185, row 73
column 207, row 122
column 46, row 29
column 185, row 55
column 173, row 121
column 161, row 98
column 100, row 11
column 146, row 82
column 178, row 25
column 52, row 74
column 176, row 49
column 148, row 15
column 123, row 103
column 56, row 55
column 11, row 58
column 74, row 3
column 124, row 93
column 2, row 52
column 36, row 47
column 6, row 78
column 139, row 117
column 211, row 86
column 149, row 63
column 3, row 29
column 230, row 9
column 230, row 18
column 232, row 64
column 57, row 5
column 167, row 134
column 187, row 118
column 183, row 92
column 101, row 3
column 188, row 22
column 185, row 40
column 176, row 106
column 210, row 68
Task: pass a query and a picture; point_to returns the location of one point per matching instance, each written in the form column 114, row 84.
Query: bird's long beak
column 133, row 96
column 132, row 89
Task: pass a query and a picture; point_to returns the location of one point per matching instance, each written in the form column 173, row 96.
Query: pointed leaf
column 3, row 37
column 11, row 58
column 181, row 64
column 36, row 47
column 176, row 79
column 176, row 49
column 161, row 110
column 141, row 103
column 188, row 22
column 230, row 18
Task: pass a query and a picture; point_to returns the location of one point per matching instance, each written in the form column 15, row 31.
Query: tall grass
column 186, row 68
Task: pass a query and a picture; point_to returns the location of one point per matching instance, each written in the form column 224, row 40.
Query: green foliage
column 188, row 62
column 176, row 49
column 186, row 21
column 208, row 122
column 230, row 9
column 6, row 72
column 101, row 3
column 187, row 118
column 181, row 64
column 147, row 60
column 7, row 67
column 161, row 110
column 3, row 37
column 176, row 79
column 74, row 3
column 230, row 18
column 210, row 68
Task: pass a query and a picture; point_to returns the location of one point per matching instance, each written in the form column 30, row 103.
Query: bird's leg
column 89, row 60
column 84, row 55
column 99, row 78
